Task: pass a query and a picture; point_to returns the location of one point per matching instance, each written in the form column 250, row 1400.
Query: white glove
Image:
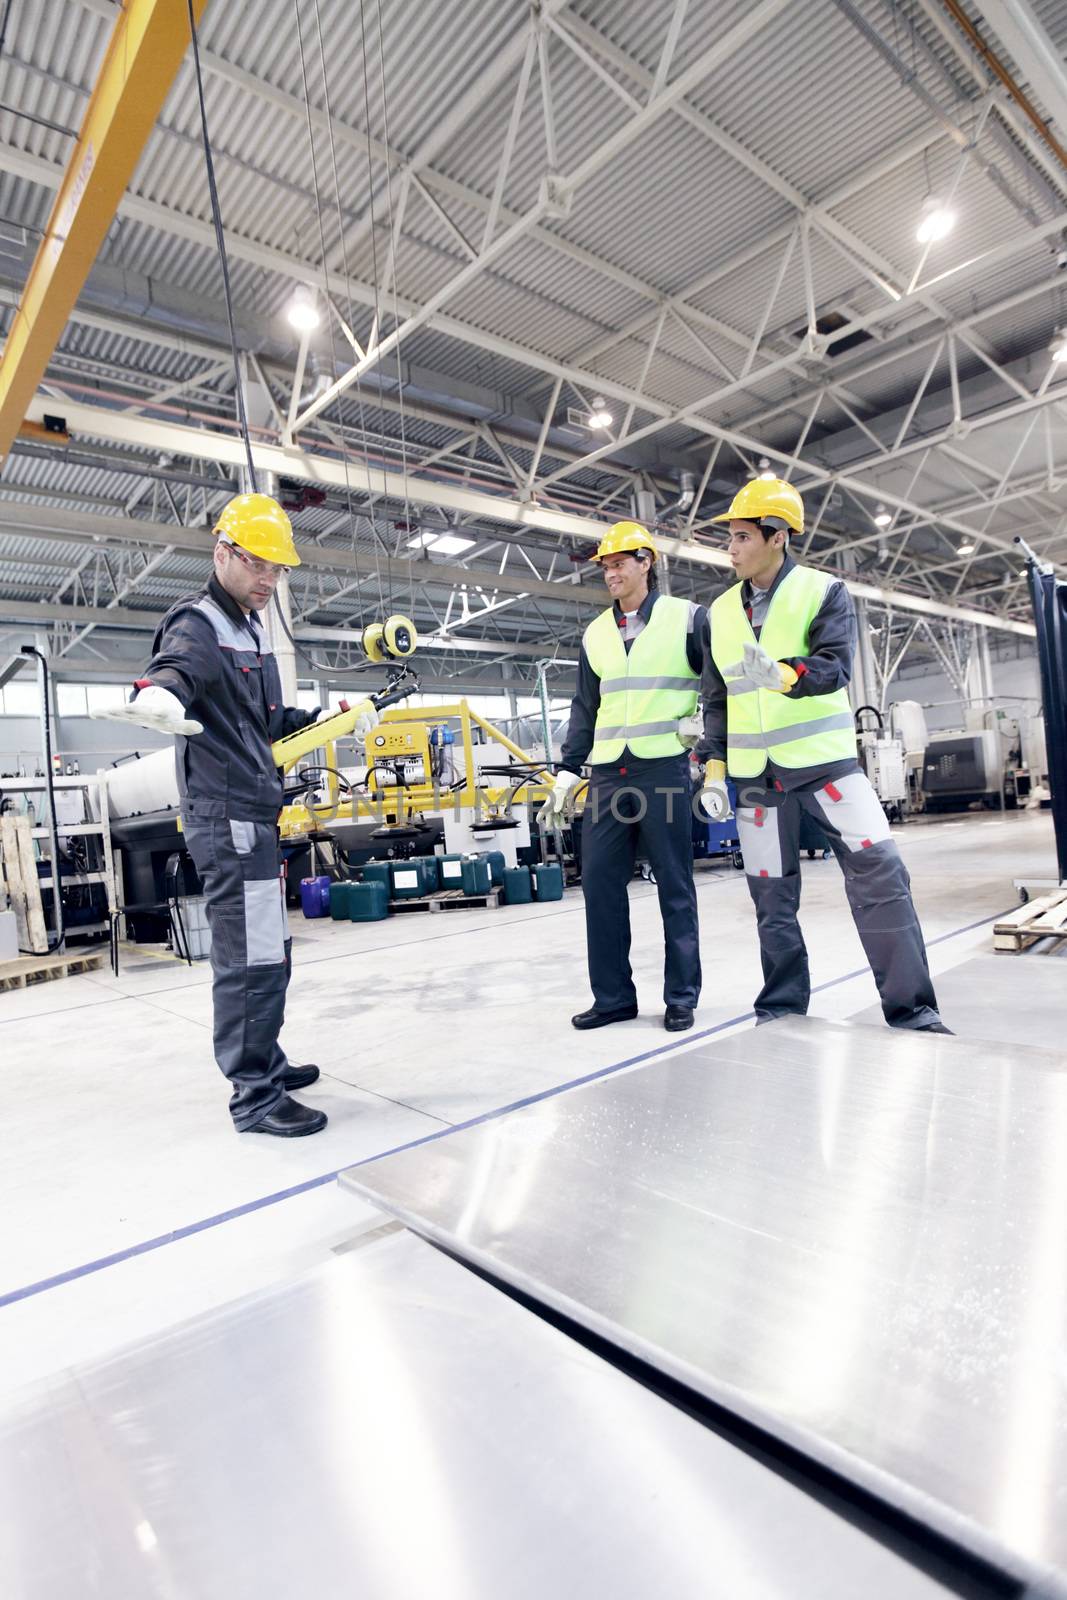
column 690, row 730
column 551, row 812
column 715, row 797
column 766, row 673
column 760, row 668
column 368, row 717
column 154, row 708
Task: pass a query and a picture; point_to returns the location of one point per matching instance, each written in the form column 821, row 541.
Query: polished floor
column 129, row 1203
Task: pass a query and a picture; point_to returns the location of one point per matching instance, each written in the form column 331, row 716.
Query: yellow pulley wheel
column 401, row 637
column 374, row 642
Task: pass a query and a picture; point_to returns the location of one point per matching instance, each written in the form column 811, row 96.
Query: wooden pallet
column 448, row 900
column 1040, row 920
column 20, row 887
column 38, row 969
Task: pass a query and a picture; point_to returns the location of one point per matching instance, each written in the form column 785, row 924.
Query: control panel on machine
column 402, row 750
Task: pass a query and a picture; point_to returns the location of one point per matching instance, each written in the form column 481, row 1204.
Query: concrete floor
column 129, row 1203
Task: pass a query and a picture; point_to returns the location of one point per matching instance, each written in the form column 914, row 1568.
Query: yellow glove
column 789, row 676
column 715, row 797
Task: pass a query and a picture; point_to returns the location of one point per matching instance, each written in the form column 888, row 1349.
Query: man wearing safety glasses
column 213, row 682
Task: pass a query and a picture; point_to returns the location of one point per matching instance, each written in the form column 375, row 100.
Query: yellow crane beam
column 146, row 49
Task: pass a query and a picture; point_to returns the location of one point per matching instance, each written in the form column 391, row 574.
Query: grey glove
column 551, row 813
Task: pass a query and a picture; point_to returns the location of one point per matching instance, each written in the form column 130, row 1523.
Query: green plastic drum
column 497, row 861
column 548, row 881
column 408, row 880
column 368, row 902
column 378, row 872
column 430, row 867
column 477, row 879
column 518, row 890
column 339, row 901
column 451, row 869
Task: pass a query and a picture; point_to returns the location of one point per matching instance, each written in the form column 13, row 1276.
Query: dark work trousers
column 240, row 869
column 876, row 883
column 629, row 811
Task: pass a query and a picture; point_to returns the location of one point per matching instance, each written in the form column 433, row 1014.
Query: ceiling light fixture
column 966, row 548
column 882, row 517
column 600, row 416
column 302, row 313
column 421, row 541
column 450, row 544
column 936, row 219
column 1058, row 347
column 765, row 470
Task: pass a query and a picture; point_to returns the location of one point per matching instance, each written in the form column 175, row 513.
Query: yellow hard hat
column 624, row 538
column 766, row 497
column 257, row 523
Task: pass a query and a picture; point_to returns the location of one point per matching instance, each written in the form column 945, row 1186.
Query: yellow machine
column 420, row 761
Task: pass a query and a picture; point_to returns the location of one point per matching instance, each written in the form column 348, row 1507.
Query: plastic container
column 497, row 861
column 315, row 896
column 378, row 872
column 430, row 867
column 477, row 879
column 368, row 902
column 548, row 880
column 518, row 890
column 339, row 901
column 409, row 882
column 451, row 871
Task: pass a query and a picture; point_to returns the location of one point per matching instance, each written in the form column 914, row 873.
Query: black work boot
column 601, row 1019
column 289, row 1120
column 299, row 1077
column 677, row 1018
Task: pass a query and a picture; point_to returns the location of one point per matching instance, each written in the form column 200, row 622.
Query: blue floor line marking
column 72, row 1274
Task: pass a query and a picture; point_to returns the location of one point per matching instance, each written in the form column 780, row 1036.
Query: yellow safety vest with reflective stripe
column 646, row 691
column 762, row 724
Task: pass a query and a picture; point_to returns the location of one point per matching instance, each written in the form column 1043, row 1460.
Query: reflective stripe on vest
column 643, row 694
column 808, row 732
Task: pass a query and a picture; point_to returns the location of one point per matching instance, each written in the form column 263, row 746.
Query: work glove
column 368, row 717
column 551, row 812
column 154, row 708
column 690, row 730
column 766, row 673
column 715, row 797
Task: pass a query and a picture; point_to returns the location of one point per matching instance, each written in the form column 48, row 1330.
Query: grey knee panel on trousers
column 876, row 884
column 239, row 867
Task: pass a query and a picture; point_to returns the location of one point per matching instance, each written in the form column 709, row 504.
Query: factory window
column 307, row 699
column 494, row 708
column 105, row 696
column 70, row 699
column 21, row 700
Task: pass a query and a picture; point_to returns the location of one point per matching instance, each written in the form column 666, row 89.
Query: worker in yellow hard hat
column 638, row 680
column 777, row 719
column 213, row 682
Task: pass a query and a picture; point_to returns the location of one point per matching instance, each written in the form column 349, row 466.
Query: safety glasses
column 262, row 569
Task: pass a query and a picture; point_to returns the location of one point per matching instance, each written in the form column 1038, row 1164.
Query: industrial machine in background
column 881, row 754
column 996, row 760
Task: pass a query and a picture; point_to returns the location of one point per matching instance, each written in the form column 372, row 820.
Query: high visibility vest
column 762, row 724
column 643, row 693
